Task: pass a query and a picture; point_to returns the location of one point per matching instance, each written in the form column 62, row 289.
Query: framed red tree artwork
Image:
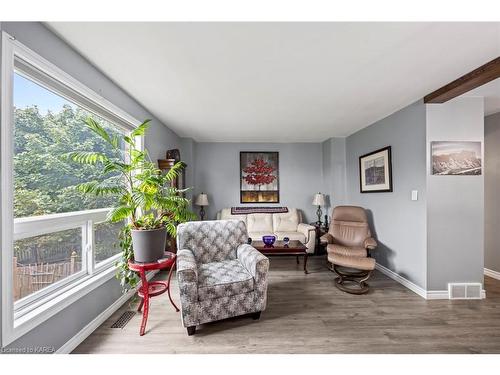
column 259, row 177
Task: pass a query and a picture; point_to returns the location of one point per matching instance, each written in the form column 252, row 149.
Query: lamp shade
column 201, row 200
column 319, row 200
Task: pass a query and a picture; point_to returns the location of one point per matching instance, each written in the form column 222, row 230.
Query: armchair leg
column 256, row 315
column 191, row 330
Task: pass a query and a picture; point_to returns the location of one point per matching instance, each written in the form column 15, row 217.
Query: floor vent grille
column 123, row 319
column 464, row 290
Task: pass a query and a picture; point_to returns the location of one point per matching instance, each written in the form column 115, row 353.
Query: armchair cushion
column 223, row 279
column 353, row 251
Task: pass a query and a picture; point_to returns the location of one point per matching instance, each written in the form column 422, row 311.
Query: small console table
column 150, row 289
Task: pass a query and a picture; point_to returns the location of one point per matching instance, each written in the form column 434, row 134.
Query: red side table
column 153, row 288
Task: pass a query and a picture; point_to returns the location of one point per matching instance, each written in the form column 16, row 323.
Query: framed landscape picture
column 259, row 177
column 456, row 158
column 375, row 171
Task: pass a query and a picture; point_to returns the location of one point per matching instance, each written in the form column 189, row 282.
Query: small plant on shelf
column 146, row 200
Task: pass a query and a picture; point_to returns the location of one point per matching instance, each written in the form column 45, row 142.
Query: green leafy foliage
column 45, row 176
column 144, row 194
column 46, row 180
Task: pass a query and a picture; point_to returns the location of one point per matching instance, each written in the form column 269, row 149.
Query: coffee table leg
column 140, row 305
column 305, row 263
column 168, row 287
column 297, row 257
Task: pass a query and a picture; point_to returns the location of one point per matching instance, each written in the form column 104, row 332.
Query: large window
column 46, row 128
column 54, row 238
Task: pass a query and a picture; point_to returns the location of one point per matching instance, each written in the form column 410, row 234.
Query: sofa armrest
column 370, row 243
column 306, row 230
column 258, row 266
column 254, row 261
column 187, row 270
column 326, row 238
column 187, row 275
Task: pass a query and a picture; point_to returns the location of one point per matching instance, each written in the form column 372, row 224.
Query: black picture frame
column 256, row 196
column 387, row 152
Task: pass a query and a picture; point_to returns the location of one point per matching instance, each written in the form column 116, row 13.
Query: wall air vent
column 464, row 290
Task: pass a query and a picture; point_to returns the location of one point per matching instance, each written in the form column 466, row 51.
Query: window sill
column 51, row 305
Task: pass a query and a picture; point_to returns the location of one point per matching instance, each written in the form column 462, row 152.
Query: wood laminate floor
column 307, row 314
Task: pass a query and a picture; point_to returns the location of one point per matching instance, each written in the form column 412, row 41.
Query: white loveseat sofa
column 281, row 225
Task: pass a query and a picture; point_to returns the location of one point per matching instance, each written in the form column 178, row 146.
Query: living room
column 250, row 187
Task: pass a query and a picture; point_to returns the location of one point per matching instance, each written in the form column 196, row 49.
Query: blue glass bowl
column 268, row 240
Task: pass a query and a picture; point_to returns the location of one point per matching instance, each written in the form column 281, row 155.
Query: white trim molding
column 491, row 273
column 400, row 279
column 427, row 294
column 444, row 294
column 86, row 331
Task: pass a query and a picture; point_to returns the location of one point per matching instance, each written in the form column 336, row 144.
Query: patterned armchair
column 219, row 274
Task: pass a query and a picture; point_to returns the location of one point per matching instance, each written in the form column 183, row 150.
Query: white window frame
column 31, row 311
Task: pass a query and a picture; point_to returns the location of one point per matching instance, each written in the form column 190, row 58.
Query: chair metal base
column 356, row 278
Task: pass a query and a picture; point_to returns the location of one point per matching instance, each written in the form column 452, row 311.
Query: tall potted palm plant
column 146, row 200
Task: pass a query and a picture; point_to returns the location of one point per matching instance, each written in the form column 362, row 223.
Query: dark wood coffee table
column 294, row 247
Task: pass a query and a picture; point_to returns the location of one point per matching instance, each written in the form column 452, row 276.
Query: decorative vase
column 148, row 245
column 268, row 240
column 286, row 240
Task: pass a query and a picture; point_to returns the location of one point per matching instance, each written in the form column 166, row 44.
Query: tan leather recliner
column 349, row 243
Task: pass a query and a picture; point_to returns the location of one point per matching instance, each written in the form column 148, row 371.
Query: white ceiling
column 491, row 94
column 280, row 82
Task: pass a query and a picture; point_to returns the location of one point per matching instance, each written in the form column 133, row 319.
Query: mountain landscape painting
column 456, row 158
column 375, row 171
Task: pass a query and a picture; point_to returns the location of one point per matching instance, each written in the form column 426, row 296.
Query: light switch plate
column 414, row 195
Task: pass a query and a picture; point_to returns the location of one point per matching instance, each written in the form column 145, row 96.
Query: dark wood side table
column 150, row 289
column 320, row 249
column 294, row 247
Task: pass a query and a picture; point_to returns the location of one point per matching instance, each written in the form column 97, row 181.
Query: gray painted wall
column 399, row 223
column 491, row 189
column 300, row 170
column 334, row 171
column 455, row 204
column 63, row 326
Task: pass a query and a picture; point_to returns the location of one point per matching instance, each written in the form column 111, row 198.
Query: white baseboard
column 86, row 331
column 400, row 279
column 491, row 273
column 427, row 294
column 444, row 294
column 437, row 294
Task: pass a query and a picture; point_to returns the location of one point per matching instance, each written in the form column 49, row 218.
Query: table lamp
column 319, row 200
column 202, row 201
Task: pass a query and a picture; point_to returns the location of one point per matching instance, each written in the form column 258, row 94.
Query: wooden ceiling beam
column 478, row 77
